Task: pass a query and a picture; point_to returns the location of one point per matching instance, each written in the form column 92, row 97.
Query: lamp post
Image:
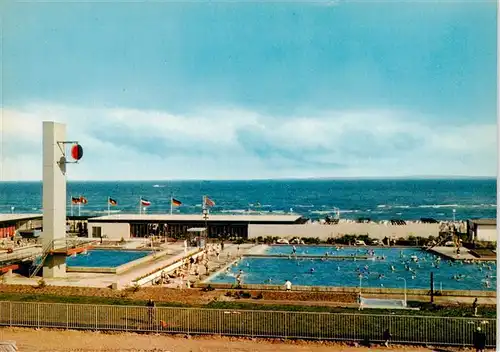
column 360, row 279
column 205, row 217
column 402, row 278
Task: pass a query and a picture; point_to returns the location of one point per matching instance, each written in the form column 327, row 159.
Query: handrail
column 51, row 246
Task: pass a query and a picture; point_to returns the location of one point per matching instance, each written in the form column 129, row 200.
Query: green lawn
column 256, row 323
column 426, row 309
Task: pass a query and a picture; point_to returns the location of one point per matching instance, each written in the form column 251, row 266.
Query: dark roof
column 484, row 221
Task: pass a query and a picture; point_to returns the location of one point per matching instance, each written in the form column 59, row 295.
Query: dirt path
column 30, row 340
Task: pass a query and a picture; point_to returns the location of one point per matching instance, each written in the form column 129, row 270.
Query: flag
column 145, row 202
column 209, row 202
column 75, row 200
column 83, row 200
column 176, row 202
column 112, row 201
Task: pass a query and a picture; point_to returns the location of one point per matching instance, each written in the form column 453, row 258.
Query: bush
column 259, row 296
column 134, row 288
column 260, row 239
column 41, row 283
column 330, row 240
column 309, row 240
column 208, row 288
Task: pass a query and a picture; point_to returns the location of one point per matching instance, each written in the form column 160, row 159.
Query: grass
column 258, row 323
column 426, row 309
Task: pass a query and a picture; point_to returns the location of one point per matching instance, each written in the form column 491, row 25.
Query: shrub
column 41, row 283
column 260, row 239
column 330, row 240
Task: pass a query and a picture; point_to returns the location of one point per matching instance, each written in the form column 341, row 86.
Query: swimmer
column 413, row 277
column 338, row 268
column 312, row 270
column 393, row 268
column 381, row 276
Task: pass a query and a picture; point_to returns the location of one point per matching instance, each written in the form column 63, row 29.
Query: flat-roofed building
column 10, row 223
column 127, row 226
column 482, row 229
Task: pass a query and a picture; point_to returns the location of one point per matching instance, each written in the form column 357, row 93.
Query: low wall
column 378, row 231
column 364, row 290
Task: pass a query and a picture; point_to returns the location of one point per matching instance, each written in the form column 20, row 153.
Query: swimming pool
column 105, row 258
column 345, row 273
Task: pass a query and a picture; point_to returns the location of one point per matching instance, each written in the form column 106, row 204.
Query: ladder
column 45, row 253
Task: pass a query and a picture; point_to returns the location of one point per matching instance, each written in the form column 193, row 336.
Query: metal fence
column 250, row 323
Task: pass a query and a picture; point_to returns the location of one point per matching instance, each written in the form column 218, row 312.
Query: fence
column 272, row 324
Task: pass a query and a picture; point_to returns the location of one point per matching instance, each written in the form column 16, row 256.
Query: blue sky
column 253, row 90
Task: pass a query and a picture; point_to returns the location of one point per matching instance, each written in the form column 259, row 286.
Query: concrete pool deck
column 451, row 254
column 170, row 253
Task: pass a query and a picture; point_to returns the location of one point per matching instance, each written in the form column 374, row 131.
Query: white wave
column 236, row 211
column 304, row 206
column 382, row 206
column 103, row 211
column 158, row 186
column 439, row 206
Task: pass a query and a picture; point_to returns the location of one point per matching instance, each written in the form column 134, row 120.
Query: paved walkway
column 451, row 253
column 227, row 256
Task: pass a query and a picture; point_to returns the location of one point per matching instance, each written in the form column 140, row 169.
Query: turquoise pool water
column 105, row 258
column 346, row 273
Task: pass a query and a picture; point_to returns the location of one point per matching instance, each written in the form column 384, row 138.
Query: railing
column 59, row 243
column 273, row 324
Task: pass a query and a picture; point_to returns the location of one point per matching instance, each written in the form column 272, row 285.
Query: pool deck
column 103, row 280
column 451, row 254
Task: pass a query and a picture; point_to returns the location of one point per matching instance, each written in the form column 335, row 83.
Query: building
column 10, row 223
column 482, row 230
column 126, row 226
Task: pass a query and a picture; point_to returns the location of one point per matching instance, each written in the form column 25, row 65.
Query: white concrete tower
column 54, row 195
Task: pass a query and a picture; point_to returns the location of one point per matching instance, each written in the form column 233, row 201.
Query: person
column 151, row 310
column 479, row 340
column 288, row 285
column 474, row 307
column 222, row 246
column 387, row 336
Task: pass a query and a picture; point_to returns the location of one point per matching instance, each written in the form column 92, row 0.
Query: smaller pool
column 105, row 258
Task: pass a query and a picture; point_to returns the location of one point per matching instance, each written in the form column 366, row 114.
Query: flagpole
column 140, row 205
column 171, row 204
column 80, row 207
column 108, row 206
column 71, row 199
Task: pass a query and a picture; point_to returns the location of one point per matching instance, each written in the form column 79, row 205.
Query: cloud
column 239, row 144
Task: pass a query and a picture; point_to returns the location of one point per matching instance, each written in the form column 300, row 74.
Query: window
column 96, row 231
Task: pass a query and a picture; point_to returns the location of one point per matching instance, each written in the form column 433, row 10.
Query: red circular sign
column 77, row 152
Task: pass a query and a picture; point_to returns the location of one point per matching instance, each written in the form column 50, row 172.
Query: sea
column 406, row 199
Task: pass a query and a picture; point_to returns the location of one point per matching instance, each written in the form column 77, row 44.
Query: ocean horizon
column 376, row 199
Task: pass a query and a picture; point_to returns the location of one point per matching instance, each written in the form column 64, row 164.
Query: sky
column 248, row 90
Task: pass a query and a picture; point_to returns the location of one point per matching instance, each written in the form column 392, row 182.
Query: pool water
column 105, row 258
column 345, row 273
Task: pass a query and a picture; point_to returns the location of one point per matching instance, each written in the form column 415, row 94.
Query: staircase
column 50, row 247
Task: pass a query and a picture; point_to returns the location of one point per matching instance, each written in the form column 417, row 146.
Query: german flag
column 75, row 200
column 112, row 201
column 176, row 202
column 83, row 200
